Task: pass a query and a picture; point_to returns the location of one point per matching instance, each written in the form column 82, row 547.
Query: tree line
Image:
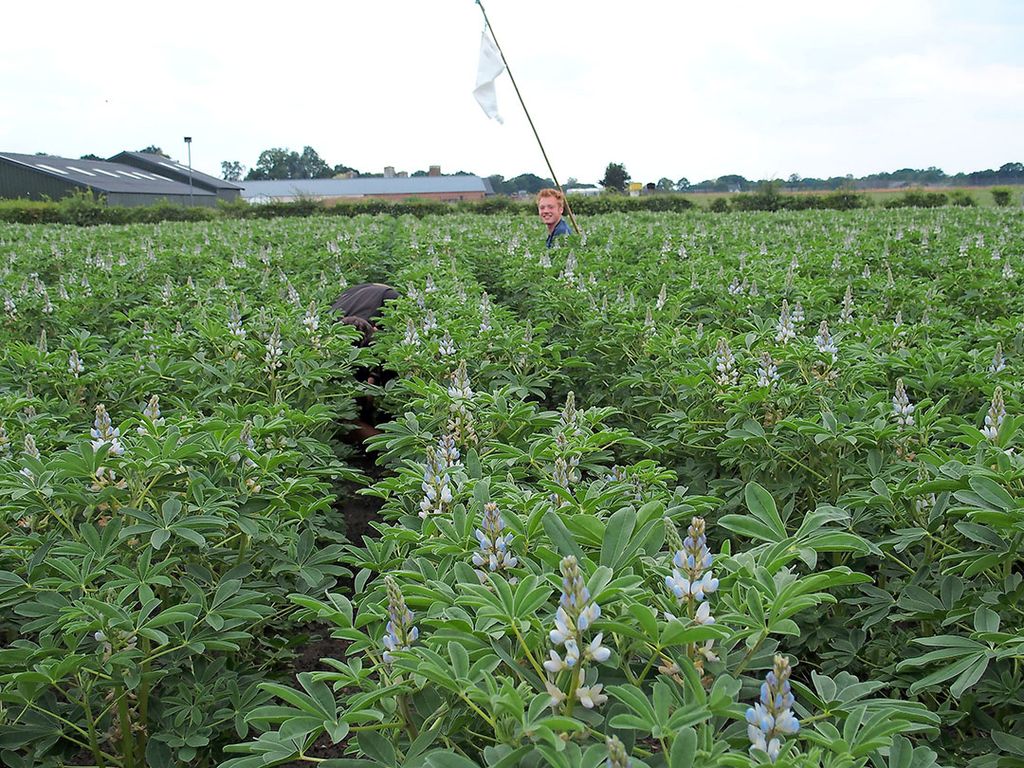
column 283, row 163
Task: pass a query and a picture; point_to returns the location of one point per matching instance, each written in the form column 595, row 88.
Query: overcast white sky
column 694, row 88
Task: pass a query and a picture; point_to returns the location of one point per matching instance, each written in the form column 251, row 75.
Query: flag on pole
column 488, row 70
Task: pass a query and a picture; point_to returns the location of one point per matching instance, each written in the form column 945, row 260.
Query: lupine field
column 692, row 491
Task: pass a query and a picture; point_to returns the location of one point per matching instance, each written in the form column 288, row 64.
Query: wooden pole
column 572, row 216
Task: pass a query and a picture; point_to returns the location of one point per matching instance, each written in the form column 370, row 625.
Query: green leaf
column 684, row 748
column 762, row 506
column 617, row 533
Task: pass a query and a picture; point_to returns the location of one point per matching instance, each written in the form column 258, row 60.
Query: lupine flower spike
column 617, row 757
column 995, row 416
column 692, row 579
column 574, row 617
column 767, row 371
column 495, row 546
column 437, row 488
column 902, row 408
column 772, row 716
column 998, row 361
column 75, row 365
column 825, row 342
column 785, row 330
column 104, row 433
column 400, row 632
column 725, row 365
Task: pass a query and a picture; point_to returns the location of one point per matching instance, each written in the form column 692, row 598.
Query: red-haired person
column 550, row 206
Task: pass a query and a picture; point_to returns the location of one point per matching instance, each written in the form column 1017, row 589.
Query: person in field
column 550, row 207
column 361, row 306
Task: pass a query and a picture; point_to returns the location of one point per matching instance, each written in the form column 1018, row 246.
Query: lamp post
column 188, row 143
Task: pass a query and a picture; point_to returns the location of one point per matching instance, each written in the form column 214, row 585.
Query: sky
column 674, row 88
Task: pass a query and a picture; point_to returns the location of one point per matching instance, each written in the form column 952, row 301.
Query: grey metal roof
column 171, row 168
column 419, row 185
column 101, row 175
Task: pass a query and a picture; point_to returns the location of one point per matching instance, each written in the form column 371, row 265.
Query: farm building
column 38, row 177
column 172, row 169
column 449, row 189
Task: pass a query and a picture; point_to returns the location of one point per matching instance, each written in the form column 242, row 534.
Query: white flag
column 490, row 67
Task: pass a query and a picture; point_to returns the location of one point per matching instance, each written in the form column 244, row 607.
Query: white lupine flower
column 235, row 322
column 902, row 408
column 274, row 350
column 846, row 316
column 998, row 361
column 836, row 263
column 105, row 433
column 1008, row 272
column 460, row 388
column 767, row 371
column 446, row 348
column 151, row 412
column 9, row 307
column 824, row 341
column 662, row 297
column 411, row 338
column 293, row 295
column 785, row 330
column 866, row 274
column 311, row 321
column 797, row 315
column 75, row 365
column 995, row 416
column 735, row 287
column 429, row 322
column 725, row 365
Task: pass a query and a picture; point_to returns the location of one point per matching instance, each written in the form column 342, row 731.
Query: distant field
column 982, row 195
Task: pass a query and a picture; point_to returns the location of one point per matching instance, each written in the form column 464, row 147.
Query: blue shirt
column 561, row 228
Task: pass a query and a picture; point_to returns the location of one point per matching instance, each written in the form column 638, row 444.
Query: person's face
column 550, row 210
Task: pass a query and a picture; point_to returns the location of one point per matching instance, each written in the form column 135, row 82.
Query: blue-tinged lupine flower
column 569, row 418
column 662, row 297
column 75, row 364
column 47, row 304
column 430, row 286
column 400, row 632
column 104, row 433
column 767, row 371
column 293, row 295
column 10, row 307
column 784, row 331
column 617, row 757
column 436, row 485
column 998, row 362
column 836, row 263
column 5, row 442
column 772, row 716
column 725, row 365
column 460, row 387
column 824, row 341
column 446, row 348
column 995, row 416
column 797, row 315
column 692, row 579
column 1008, row 272
column 575, row 614
column 902, row 408
column 495, row 546
column 448, row 452
column 31, row 450
column 461, row 425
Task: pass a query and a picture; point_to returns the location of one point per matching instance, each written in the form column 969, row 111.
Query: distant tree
column 529, row 183
column 615, row 177
column 683, row 184
column 665, row 184
column 152, row 149
column 340, row 169
column 498, row 184
column 91, row 157
column 1001, row 196
column 282, row 163
column 794, row 178
column 418, row 174
column 463, row 173
column 311, row 166
column 232, row 170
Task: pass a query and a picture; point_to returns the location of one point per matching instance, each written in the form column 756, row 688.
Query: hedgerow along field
column 691, row 491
